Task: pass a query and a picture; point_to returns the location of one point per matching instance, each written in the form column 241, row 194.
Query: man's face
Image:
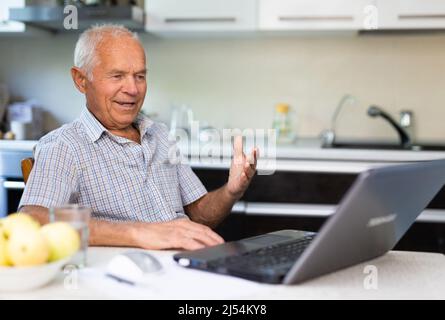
column 117, row 91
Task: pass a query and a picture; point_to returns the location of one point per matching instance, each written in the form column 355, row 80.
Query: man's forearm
column 211, row 209
column 102, row 233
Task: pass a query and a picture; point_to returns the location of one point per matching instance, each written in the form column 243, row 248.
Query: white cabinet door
column 200, row 15
column 313, row 14
column 412, row 14
column 5, row 24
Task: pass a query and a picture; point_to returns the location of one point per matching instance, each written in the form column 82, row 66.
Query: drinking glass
column 78, row 217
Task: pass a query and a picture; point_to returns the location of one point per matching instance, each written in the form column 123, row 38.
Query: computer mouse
column 133, row 267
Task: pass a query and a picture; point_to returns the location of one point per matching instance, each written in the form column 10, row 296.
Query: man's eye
column 117, row 76
column 140, row 77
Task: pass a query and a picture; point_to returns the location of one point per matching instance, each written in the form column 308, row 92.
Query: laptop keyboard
column 278, row 257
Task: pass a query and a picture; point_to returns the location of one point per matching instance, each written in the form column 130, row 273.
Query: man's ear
column 79, row 79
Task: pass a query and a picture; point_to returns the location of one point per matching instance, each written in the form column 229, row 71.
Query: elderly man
column 115, row 160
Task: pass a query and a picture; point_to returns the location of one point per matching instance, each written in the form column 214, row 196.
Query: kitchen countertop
column 311, row 149
column 400, row 275
column 304, row 155
column 17, row 145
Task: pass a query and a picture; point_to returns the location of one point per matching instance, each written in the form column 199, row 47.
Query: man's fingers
column 249, row 172
column 209, row 232
column 252, row 159
column 250, row 166
column 201, row 237
column 243, row 180
column 202, row 228
column 217, row 237
column 190, row 244
column 256, row 154
column 202, row 233
column 238, row 148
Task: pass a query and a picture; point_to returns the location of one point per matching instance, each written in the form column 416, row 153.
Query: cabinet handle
column 285, row 209
column 14, row 185
column 420, row 16
column 239, row 207
column 320, row 211
column 200, row 20
column 314, row 18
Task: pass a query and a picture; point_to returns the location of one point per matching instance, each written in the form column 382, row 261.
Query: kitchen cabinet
column 295, row 191
column 11, row 182
column 305, row 200
column 312, row 14
column 411, row 14
column 425, row 237
column 7, row 26
column 195, row 16
column 165, row 16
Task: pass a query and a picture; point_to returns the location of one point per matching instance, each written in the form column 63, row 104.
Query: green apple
column 62, row 238
column 17, row 221
column 26, row 246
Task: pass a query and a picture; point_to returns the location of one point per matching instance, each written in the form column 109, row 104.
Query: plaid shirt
column 83, row 163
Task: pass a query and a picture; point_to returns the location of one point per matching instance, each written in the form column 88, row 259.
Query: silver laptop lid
column 372, row 217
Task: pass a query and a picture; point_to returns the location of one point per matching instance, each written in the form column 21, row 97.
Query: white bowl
column 14, row 279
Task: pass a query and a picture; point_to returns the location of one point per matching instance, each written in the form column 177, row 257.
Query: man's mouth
column 126, row 104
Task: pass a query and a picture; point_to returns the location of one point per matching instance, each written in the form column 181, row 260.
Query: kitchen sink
column 385, row 146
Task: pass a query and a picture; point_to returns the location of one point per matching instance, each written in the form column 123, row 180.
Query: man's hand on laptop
column 176, row 234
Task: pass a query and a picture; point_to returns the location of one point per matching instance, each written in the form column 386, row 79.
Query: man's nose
column 130, row 86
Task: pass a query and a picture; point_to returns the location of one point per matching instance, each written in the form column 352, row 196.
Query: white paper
column 174, row 282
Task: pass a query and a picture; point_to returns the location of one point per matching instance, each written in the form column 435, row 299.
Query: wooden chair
column 27, row 165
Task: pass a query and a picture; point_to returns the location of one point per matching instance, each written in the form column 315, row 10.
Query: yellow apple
column 17, row 221
column 3, row 257
column 62, row 238
column 26, row 246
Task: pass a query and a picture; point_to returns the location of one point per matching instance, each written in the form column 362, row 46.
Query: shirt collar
column 94, row 129
column 143, row 123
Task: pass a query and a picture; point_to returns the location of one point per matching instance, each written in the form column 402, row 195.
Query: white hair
column 85, row 53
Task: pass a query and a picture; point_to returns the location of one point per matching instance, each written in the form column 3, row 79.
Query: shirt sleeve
column 189, row 184
column 53, row 179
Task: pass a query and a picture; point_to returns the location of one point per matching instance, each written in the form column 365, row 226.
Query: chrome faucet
column 328, row 136
column 405, row 140
column 407, row 122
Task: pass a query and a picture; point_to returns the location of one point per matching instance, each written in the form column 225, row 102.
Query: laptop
column 371, row 218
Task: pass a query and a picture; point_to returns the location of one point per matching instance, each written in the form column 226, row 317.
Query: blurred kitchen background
column 225, row 76
column 244, row 63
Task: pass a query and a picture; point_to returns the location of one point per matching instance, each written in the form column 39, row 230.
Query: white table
column 400, row 275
